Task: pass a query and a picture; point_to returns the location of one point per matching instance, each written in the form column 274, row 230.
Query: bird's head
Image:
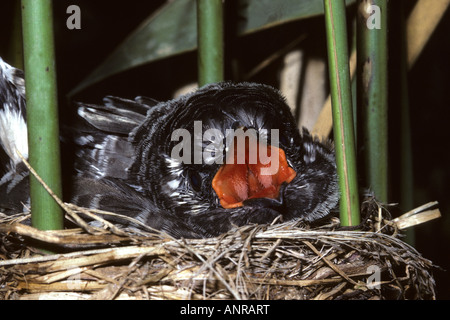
column 232, row 153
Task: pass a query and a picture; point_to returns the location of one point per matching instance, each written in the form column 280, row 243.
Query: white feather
column 13, row 133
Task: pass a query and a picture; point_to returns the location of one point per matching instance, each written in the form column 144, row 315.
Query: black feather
column 123, row 160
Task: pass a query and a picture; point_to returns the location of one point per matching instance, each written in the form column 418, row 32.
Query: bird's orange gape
column 236, row 182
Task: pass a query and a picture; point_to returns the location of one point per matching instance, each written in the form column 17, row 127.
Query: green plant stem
column 42, row 112
column 210, row 41
column 372, row 93
column 406, row 158
column 341, row 97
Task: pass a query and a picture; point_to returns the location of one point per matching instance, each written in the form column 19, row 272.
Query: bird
column 226, row 155
column 13, row 136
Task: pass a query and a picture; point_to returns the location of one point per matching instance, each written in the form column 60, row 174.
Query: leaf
column 263, row 14
column 169, row 31
column 172, row 30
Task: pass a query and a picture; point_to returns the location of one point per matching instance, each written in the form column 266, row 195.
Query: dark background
column 106, row 23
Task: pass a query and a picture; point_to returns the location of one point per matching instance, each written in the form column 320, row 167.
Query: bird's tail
column 103, row 149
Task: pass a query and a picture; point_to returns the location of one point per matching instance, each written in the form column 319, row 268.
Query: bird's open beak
column 237, row 181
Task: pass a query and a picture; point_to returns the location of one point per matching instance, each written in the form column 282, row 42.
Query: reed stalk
column 406, row 155
column 42, row 112
column 341, row 98
column 210, row 41
column 372, row 94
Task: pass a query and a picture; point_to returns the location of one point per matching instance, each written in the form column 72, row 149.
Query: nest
column 288, row 260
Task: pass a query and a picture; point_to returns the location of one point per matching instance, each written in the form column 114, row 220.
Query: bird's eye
column 195, row 181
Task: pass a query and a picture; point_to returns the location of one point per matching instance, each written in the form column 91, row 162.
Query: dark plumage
column 124, row 161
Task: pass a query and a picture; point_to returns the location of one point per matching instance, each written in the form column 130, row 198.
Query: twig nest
column 281, row 261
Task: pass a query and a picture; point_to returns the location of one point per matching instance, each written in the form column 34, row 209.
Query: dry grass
column 279, row 261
